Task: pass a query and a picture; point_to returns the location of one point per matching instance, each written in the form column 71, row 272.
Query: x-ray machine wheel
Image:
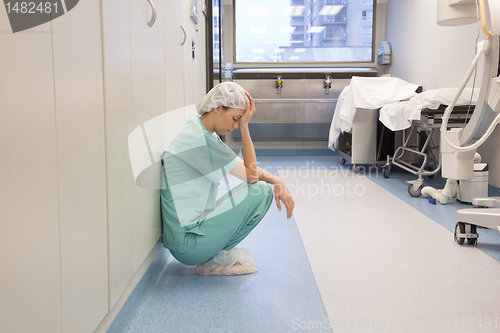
column 356, row 168
column 413, row 192
column 459, row 229
column 462, row 231
column 473, row 230
column 342, row 161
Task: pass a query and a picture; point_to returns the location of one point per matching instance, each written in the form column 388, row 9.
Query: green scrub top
column 193, row 164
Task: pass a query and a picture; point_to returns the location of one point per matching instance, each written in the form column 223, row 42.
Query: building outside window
column 296, row 31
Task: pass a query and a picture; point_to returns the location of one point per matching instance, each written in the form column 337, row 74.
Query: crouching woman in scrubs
column 197, row 228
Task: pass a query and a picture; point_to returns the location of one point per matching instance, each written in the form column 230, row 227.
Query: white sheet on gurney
column 398, row 116
column 366, row 93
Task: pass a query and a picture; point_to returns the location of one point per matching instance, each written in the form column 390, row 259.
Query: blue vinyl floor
column 172, row 298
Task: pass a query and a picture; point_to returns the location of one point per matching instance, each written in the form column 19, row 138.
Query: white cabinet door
column 175, row 34
column 194, row 69
column 30, row 278
column 148, row 101
column 78, row 81
column 119, row 124
column 174, row 64
column 185, row 75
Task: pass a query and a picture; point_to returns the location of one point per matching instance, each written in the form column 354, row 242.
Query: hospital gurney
column 426, row 151
column 353, row 132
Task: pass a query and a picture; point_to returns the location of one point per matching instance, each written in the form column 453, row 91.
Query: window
column 366, row 31
column 215, row 33
column 328, row 31
column 367, row 15
column 334, row 32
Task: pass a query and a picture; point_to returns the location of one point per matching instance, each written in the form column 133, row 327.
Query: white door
column 79, row 105
column 30, row 279
column 148, row 101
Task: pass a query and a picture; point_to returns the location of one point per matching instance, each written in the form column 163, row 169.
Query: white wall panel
column 119, row 124
column 190, row 111
column 175, row 121
column 423, row 52
column 174, row 64
column 30, row 294
column 81, row 166
column 194, row 71
column 148, row 101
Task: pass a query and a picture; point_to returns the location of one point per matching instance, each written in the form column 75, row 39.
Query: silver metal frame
column 430, row 120
column 399, row 153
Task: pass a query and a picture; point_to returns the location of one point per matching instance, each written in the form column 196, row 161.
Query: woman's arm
column 251, row 173
column 281, row 193
column 249, row 158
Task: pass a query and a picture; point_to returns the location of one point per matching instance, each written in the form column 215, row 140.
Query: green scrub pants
column 235, row 216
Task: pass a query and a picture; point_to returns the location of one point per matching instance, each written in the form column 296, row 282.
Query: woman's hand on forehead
column 250, row 110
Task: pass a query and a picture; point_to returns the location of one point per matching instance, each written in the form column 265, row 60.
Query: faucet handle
column 328, row 83
column 328, row 80
column 279, row 81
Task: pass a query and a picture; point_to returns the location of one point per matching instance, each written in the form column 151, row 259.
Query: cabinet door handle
column 153, row 15
column 185, row 35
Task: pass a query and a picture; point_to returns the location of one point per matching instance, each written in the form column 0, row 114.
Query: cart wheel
column 356, row 168
column 342, row 161
column 414, row 193
column 386, row 172
column 473, row 230
column 459, row 229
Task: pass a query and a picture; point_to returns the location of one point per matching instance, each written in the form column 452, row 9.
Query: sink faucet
column 279, row 83
column 328, row 84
